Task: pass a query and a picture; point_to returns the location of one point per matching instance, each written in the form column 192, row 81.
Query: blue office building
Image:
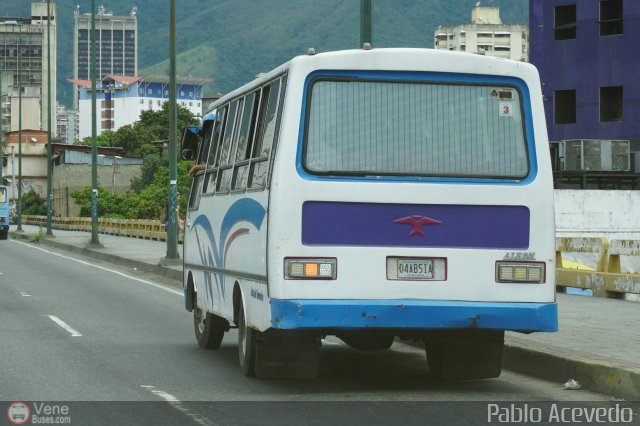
column 588, row 56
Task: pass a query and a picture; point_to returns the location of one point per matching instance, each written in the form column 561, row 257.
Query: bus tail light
column 310, row 269
column 521, row 272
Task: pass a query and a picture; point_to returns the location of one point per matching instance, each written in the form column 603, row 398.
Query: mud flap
column 287, row 355
column 465, row 354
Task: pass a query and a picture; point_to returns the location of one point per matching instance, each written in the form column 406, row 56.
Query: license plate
column 416, row 269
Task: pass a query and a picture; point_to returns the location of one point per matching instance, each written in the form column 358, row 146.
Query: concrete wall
column 610, row 214
column 70, row 177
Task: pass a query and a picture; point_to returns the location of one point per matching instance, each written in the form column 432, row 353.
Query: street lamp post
column 1, row 128
column 366, row 22
column 19, row 229
column 13, row 175
column 49, row 165
column 94, row 143
column 172, row 231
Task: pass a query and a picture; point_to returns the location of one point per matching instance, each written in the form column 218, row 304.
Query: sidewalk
column 598, row 343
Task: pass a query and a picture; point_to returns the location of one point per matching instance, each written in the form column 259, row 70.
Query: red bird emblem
column 417, row 222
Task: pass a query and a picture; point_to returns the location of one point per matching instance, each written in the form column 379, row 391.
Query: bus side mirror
column 187, row 154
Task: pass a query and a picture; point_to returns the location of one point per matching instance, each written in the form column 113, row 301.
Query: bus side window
column 218, row 127
column 223, row 151
column 268, row 123
column 218, row 131
column 243, row 151
column 265, row 134
column 225, row 159
column 206, row 141
column 196, row 188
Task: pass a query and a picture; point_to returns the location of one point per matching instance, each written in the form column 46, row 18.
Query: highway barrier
column 135, row 228
column 605, row 279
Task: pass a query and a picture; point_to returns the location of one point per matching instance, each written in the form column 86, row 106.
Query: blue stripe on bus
column 413, row 314
column 415, row 225
column 425, row 76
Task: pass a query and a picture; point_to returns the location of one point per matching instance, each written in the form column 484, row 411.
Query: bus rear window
column 365, row 128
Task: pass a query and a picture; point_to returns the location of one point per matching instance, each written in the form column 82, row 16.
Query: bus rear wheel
column 4, row 235
column 247, row 338
column 209, row 328
column 465, row 354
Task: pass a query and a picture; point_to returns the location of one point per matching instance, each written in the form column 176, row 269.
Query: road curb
column 559, row 365
column 158, row 269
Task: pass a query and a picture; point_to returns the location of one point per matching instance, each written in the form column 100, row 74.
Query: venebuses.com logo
column 18, row 413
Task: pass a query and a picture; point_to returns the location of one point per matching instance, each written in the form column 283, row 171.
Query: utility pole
column 49, row 165
column 1, row 129
column 366, row 22
column 19, row 228
column 172, row 231
column 94, row 143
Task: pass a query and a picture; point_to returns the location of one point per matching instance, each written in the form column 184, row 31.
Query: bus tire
column 4, row 235
column 364, row 341
column 466, row 355
column 209, row 329
column 247, row 340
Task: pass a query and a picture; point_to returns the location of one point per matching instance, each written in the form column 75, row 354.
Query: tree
column 107, row 138
column 151, row 189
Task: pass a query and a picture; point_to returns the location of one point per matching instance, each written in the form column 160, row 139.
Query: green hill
column 232, row 40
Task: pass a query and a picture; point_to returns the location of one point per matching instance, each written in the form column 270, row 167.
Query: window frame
column 621, row 103
column 567, row 30
column 610, row 25
column 555, row 106
column 501, row 81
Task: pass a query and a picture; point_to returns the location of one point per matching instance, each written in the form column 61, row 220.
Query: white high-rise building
column 116, row 45
column 121, row 99
column 486, row 35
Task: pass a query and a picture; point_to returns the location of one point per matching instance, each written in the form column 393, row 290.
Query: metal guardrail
column 606, row 280
column 135, row 228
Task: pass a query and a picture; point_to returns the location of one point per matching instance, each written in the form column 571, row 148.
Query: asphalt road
column 74, row 330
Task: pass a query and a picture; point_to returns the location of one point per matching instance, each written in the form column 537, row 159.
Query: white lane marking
column 161, row 287
column 177, row 404
column 166, row 396
column 74, row 333
column 162, row 394
column 23, row 294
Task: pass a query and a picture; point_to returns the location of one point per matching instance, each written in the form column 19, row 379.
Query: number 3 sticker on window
column 506, row 109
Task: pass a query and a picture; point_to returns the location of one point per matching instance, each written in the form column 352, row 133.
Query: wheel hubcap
column 200, row 317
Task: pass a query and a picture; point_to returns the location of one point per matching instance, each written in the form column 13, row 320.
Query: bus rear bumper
column 413, row 314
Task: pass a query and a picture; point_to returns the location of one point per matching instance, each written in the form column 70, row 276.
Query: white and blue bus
column 374, row 194
column 5, row 216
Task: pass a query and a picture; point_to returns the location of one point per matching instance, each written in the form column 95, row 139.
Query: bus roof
column 393, row 59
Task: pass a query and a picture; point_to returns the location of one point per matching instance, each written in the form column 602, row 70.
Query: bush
column 33, row 204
